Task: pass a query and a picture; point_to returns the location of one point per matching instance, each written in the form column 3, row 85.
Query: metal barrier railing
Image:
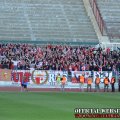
column 97, row 15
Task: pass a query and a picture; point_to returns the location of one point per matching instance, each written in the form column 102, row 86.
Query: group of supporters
column 58, row 57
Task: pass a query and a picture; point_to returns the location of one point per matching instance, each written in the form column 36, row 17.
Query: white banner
column 102, row 75
column 47, row 79
column 76, row 74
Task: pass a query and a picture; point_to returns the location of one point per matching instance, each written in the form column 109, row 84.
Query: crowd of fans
column 58, row 57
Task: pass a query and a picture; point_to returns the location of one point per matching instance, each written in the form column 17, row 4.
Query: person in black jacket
column 119, row 84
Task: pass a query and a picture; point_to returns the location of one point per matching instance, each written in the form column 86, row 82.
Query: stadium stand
column 42, row 38
column 47, row 21
column 52, row 21
column 110, row 11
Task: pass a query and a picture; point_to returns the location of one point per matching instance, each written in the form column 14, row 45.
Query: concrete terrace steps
column 43, row 2
column 45, row 20
column 110, row 11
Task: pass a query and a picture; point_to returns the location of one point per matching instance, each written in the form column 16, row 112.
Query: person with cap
column 97, row 83
column 63, row 82
column 113, row 83
column 89, row 83
column 106, row 83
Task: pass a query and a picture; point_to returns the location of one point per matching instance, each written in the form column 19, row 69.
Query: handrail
column 97, row 15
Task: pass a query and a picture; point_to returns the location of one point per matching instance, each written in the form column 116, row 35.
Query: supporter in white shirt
column 15, row 63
